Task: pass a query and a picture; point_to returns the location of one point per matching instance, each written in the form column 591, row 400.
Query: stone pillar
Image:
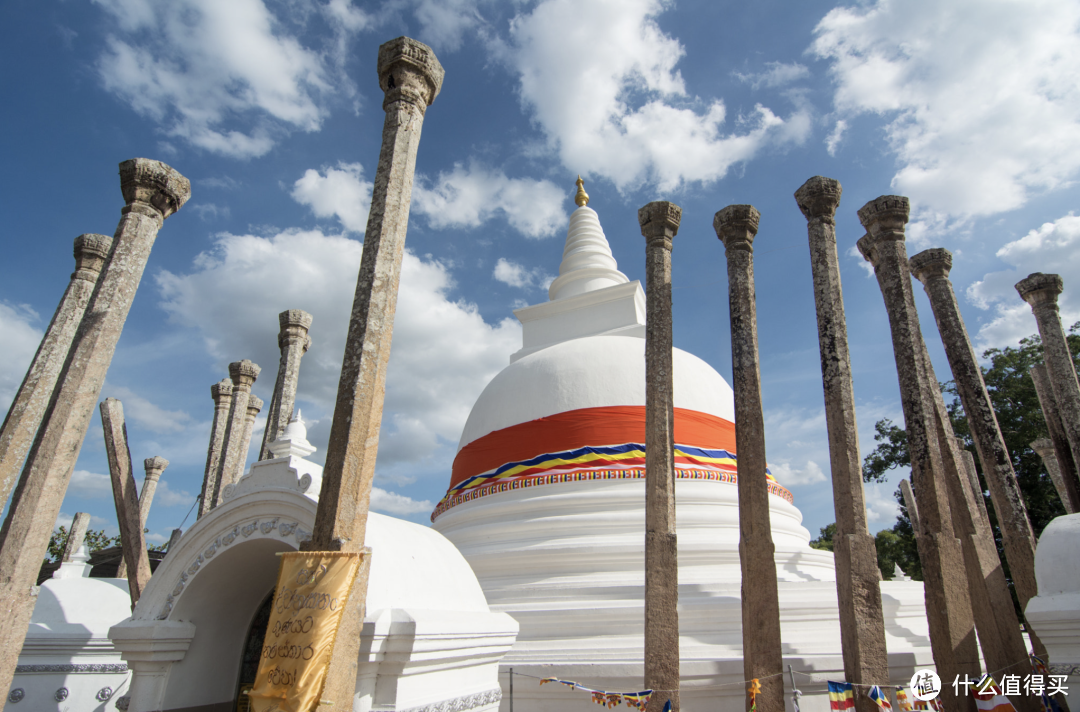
column 254, row 405
column 221, row 392
column 243, row 374
column 659, row 225
column 76, row 536
column 1045, row 448
column 931, row 267
column 173, row 539
column 736, row 226
column 862, row 622
column 153, row 191
column 293, row 340
column 912, row 507
column 136, row 562
column 154, row 466
column 1070, row 473
column 948, row 605
column 410, row 75
column 1041, row 292
column 973, row 478
column 28, row 407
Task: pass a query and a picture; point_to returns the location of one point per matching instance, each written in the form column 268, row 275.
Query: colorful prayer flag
column 902, row 700
column 841, row 697
column 988, row 697
column 881, row 698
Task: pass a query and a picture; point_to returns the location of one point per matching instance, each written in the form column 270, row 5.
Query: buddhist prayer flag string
column 934, row 704
column 754, row 689
column 880, row 698
column 988, row 697
column 637, row 700
column 902, row 701
column 841, row 697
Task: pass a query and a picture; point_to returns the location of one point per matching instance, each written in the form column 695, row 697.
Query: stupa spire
column 587, row 263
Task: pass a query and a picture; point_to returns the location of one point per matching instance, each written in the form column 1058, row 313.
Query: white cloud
column 165, row 496
column 342, row 193
column 601, row 81
column 788, row 476
column 469, row 197
column 1053, row 247
column 881, row 506
column 517, row 275
column 777, row 75
column 20, row 340
column 443, row 352
column 832, row 143
column 981, row 98
column 383, row 501
column 197, row 66
column 139, row 411
column 89, row 485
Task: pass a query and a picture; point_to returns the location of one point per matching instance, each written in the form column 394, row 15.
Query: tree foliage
column 1020, row 417
column 95, row 540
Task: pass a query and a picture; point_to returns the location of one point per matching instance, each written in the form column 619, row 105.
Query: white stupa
column 547, row 504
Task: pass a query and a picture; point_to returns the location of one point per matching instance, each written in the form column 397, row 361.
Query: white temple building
column 547, row 504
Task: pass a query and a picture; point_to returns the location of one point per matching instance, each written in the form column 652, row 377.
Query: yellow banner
column 313, row 588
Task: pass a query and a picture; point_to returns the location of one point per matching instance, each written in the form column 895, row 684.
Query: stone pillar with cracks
column 1045, row 448
column 411, row 76
column 659, row 224
column 1041, row 292
column 1070, row 472
column 136, row 568
column 911, row 506
column 948, row 604
column 862, row 621
column 76, row 536
column 931, row 267
column 233, row 454
column 221, row 392
column 293, row 340
column 736, row 226
column 28, row 406
column 254, row 405
column 154, row 467
column 152, row 192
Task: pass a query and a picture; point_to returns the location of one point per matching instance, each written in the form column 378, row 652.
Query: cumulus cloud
column 199, row 67
column 20, row 343
column 470, row 196
column 89, row 485
column 383, row 501
column 600, row 79
column 166, row 496
column 982, row 102
column 776, row 75
column 141, row 412
column 787, row 475
column 832, row 143
column 515, row 275
column 342, row 193
column 1052, row 247
column 443, row 354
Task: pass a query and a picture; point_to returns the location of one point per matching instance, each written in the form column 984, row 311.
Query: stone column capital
column 154, row 466
column 91, row 251
column 659, row 220
column 931, row 264
column 410, row 72
column 254, row 405
column 736, row 226
column 152, row 183
column 1042, row 445
column 866, row 248
column 1038, row 289
column 884, row 218
column 294, row 325
column 818, row 198
column 243, row 373
column 221, row 389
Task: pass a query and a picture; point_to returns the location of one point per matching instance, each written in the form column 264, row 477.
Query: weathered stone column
column 221, row 392
column 973, row 478
column 411, row 76
column 659, row 224
column 931, row 267
column 293, row 340
column 736, row 226
column 154, row 467
column 948, row 605
column 173, row 539
column 76, row 536
column 912, row 506
column 1045, row 448
column 862, row 622
column 152, row 191
column 254, row 405
column 28, row 407
column 1041, row 292
column 243, row 374
column 132, row 541
column 1070, row 472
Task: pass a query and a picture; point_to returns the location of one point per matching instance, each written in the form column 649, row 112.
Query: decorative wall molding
column 72, row 668
column 462, row 704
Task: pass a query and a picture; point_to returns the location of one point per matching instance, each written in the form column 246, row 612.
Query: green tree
column 1020, row 417
column 95, row 540
column 825, row 541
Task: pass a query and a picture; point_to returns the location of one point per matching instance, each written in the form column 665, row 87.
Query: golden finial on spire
column 582, row 198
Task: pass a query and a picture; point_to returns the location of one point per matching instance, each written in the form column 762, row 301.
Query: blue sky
column 272, row 109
